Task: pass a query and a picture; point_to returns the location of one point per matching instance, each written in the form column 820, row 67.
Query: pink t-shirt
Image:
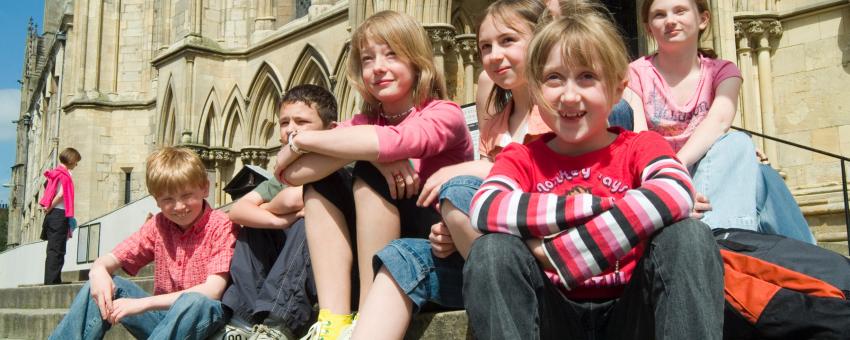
column 663, row 115
column 432, row 136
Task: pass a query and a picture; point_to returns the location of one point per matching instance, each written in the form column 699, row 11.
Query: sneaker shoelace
column 317, row 331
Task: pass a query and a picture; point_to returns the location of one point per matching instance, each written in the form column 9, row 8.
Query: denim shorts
column 459, row 190
column 421, row 275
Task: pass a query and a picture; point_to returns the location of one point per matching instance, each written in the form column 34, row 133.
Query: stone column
column 198, row 18
column 117, row 43
column 186, row 135
column 762, row 31
column 94, row 87
column 82, row 36
column 442, row 39
column 264, row 20
column 467, row 47
column 751, row 117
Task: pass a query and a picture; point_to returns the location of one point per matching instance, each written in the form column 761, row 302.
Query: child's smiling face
column 502, row 51
column 183, row 206
column 579, row 105
column 387, row 76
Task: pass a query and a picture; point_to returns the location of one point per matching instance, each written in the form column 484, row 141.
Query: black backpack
column 781, row 288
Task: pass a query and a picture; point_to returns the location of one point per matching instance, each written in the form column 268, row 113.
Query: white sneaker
column 317, row 331
column 265, row 332
column 232, row 332
column 347, row 332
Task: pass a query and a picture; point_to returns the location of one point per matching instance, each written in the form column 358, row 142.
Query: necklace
column 397, row 115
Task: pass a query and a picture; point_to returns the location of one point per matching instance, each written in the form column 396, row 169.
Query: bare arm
column 310, row 168
column 249, row 211
column 287, row 201
column 353, row 142
column 716, row 123
column 100, row 282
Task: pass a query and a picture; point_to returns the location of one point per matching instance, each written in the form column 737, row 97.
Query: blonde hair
column 528, row 12
column 171, row 169
column 410, row 43
column 69, row 156
column 587, row 38
column 702, row 7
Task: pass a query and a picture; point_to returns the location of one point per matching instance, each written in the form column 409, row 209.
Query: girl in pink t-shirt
column 404, row 133
column 414, row 272
column 689, row 97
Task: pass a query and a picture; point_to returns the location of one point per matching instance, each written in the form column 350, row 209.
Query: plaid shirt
column 182, row 259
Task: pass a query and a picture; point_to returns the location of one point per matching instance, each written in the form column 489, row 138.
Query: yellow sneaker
column 328, row 327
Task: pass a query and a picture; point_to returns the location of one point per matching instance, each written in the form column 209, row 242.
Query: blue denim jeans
column 778, row 212
column 727, row 175
column 421, row 275
column 622, row 116
column 192, row 316
column 676, row 292
column 459, row 190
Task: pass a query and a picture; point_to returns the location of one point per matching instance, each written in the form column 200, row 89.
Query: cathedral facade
column 116, row 79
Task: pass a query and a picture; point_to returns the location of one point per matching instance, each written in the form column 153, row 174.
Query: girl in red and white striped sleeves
column 587, row 226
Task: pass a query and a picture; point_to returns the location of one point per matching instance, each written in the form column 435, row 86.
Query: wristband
column 291, row 143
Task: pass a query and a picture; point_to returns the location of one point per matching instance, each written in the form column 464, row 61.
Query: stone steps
column 32, row 312
column 31, row 323
column 50, row 297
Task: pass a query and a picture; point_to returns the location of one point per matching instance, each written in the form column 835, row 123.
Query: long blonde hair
column 409, row 41
column 587, row 38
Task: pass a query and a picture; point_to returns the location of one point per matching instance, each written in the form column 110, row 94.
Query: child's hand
column 442, row 244
column 432, row 186
column 125, row 307
column 762, row 157
column 101, row 288
column 701, row 205
column 535, row 245
column 402, row 180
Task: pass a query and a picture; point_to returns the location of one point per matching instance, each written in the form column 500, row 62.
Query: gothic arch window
column 462, row 22
column 167, row 123
column 310, row 69
column 302, row 7
column 264, row 93
column 209, row 130
column 346, row 97
column 233, row 132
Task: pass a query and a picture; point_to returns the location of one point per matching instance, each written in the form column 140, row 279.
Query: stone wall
column 137, row 74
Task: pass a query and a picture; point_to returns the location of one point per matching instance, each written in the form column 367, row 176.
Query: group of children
column 567, row 226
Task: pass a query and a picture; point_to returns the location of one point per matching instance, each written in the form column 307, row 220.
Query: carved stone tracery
column 442, row 38
column 255, row 156
column 466, row 46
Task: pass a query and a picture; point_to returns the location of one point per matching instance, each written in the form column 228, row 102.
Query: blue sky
column 14, row 18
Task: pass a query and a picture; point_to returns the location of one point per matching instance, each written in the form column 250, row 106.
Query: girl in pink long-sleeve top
column 59, row 221
column 405, row 133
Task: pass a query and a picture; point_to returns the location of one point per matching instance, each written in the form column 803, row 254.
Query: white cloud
column 10, row 107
